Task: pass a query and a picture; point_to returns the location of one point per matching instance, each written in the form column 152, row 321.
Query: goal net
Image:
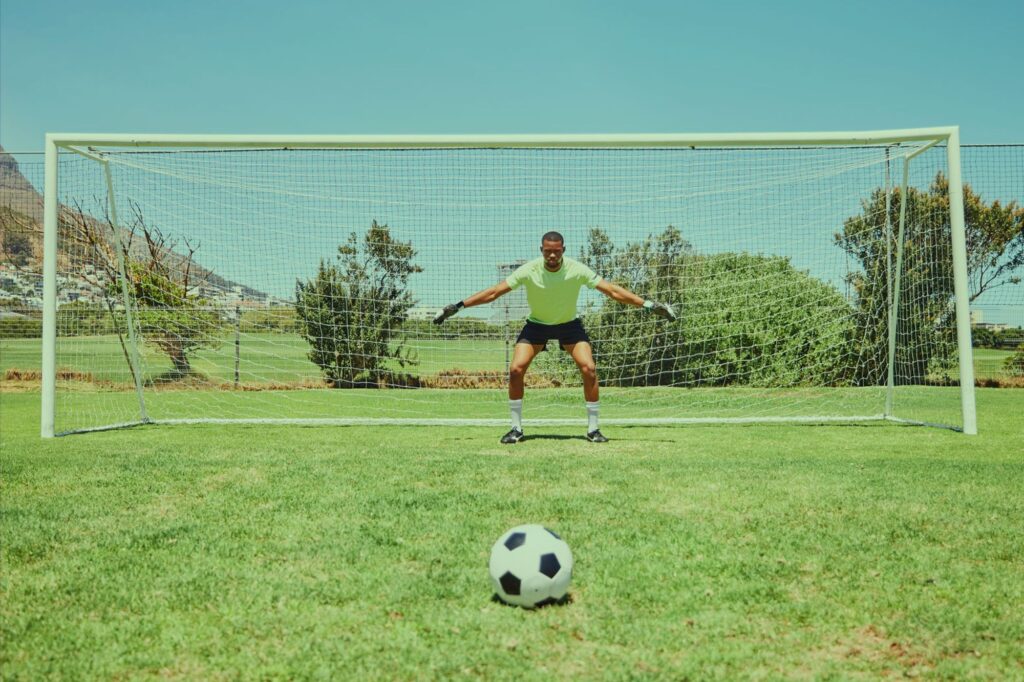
column 293, row 280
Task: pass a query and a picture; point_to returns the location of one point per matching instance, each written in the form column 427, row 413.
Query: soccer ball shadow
column 566, row 599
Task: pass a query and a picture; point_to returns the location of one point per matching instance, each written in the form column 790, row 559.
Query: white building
column 421, row 313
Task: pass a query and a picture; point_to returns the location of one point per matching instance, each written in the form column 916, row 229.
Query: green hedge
column 21, row 328
column 744, row 320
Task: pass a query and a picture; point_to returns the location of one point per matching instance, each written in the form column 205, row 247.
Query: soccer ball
column 531, row 566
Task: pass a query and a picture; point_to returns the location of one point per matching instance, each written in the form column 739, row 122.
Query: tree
column 279, row 319
column 351, row 313
column 170, row 315
column 995, row 239
column 983, row 338
column 926, row 338
column 15, row 237
column 163, row 285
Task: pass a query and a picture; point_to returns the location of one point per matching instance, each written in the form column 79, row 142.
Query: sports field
column 271, row 357
column 263, row 357
column 988, row 363
column 702, row 552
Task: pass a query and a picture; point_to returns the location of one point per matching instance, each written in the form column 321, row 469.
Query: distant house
column 421, row 313
column 991, row 326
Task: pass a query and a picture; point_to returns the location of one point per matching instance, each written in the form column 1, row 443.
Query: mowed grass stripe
column 283, row 358
column 263, row 357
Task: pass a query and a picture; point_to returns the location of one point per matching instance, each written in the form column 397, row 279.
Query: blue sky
column 207, row 66
column 570, row 66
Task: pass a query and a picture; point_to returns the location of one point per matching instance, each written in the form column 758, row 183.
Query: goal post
column 732, row 227
column 963, row 311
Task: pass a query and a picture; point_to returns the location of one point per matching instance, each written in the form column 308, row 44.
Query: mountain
column 21, row 215
column 12, row 182
column 21, row 231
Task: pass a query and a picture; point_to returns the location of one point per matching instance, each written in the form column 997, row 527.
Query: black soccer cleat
column 596, row 436
column 512, row 437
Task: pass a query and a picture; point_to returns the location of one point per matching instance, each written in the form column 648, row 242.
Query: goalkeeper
column 553, row 284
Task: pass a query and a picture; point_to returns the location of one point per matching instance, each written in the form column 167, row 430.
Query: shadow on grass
column 613, row 438
column 551, row 436
column 565, row 600
column 555, row 436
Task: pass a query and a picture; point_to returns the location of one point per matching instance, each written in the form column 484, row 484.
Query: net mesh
column 299, row 284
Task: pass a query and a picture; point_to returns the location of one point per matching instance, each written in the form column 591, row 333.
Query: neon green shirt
column 552, row 296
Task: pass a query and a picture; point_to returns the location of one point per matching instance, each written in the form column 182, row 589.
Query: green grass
column 988, row 363
column 263, row 357
column 269, row 357
column 210, row 552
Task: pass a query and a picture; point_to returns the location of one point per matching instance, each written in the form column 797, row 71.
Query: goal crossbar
column 69, row 140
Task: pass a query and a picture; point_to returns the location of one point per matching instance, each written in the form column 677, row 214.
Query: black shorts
column 566, row 333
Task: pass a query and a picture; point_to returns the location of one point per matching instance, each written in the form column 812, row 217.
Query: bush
column 1008, row 338
column 21, row 328
column 280, row 319
column 457, row 328
column 84, row 319
column 352, row 312
column 744, row 320
column 983, row 338
column 1014, row 365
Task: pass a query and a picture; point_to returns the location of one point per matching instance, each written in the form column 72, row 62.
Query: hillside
column 21, row 232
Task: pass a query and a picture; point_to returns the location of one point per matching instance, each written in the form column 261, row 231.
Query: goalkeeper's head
column 552, row 247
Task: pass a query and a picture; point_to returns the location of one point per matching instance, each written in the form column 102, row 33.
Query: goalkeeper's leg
column 522, row 356
column 583, row 354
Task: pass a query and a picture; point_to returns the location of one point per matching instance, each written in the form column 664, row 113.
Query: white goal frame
column 81, row 142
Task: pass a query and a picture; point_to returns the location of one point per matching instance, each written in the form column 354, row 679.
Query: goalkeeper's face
column 552, row 252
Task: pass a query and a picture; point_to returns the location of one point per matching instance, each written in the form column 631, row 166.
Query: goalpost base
column 384, row 421
column 630, row 421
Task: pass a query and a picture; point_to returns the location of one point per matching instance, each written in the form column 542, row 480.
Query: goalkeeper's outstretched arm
column 479, row 298
column 624, row 295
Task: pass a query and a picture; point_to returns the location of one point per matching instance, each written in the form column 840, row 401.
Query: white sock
column 592, row 409
column 516, row 407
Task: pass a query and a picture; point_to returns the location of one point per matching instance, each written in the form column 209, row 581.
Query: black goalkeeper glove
column 661, row 310
column 447, row 312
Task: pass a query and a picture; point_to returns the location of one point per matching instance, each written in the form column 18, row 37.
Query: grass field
column 280, row 361
column 988, row 362
column 267, row 357
column 703, row 552
column 263, row 357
